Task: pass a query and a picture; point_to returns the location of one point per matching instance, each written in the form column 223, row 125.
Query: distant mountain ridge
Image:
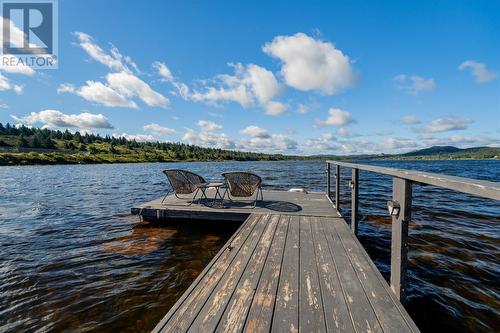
column 438, row 150
column 451, row 152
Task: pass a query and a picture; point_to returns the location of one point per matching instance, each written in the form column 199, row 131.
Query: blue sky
column 334, row 77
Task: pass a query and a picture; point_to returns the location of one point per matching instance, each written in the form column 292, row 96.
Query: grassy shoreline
column 20, row 145
column 58, row 158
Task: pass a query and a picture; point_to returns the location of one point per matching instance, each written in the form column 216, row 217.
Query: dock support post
column 401, row 193
column 337, row 187
column 328, row 181
column 354, row 201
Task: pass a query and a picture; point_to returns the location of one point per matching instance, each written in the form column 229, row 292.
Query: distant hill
column 23, row 145
column 451, row 153
column 433, row 151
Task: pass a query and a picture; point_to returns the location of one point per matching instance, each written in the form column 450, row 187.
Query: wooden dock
column 292, row 266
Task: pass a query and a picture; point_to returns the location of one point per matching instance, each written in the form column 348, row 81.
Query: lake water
column 73, row 259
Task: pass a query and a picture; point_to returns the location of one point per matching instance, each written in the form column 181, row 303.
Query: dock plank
column 260, row 315
column 312, row 316
column 286, row 310
column 362, row 314
column 208, row 317
column 235, row 315
column 386, row 307
column 187, row 307
column 335, row 304
column 289, row 273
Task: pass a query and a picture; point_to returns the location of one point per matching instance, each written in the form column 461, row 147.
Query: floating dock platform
column 292, row 266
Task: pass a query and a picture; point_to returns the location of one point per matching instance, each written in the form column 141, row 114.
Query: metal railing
column 400, row 205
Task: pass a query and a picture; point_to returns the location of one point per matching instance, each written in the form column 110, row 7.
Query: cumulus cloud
column 57, row 119
column 159, row 130
column 302, row 108
column 163, row 71
column 250, row 85
column 337, row 117
column 136, row 137
column 118, row 91
column 122, row 84
column 5, row 84
column 275, row 143
column 461, row 141
column 445, row 124
column 130, row 85
column 275, row 108
column 114, row 59
column 478, row 70
column 255, row 132
column 208, row 135
column 327, row 143
column 208, row 126
column 414, row 84
column 98, row 92
column 409, row 119
column 311, row 64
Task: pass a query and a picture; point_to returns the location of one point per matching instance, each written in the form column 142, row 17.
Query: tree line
column 28, row 137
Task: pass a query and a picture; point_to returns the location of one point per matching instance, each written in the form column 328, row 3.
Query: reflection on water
column 143, row 239
column 70, row 260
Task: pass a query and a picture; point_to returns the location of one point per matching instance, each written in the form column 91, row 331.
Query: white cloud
column 262, row 82
column 304, row 109
column 275, row 143
column 57, row 119
column 409, row 119
column 159, row 130
column 478, row 70
column 208, row 126
column 130, row 85
column 119, row 91
column 342, row 131
column 114, row 59
column 98, row 92
column 136, row 137
column 167, row 76
column 311, row 64
column 208, row 135
column 461, row 141
column 337, row 117
column 163, row 71
column 249, row 85
column 255, row 132
column 207, row 139
column 275, row 108
column 414, row 84
column 5, row 84
column 445, row 124
column 121, row 86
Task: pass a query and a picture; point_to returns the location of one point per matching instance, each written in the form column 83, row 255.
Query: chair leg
column 194, row 197
column 226, row 191
column 166, row 195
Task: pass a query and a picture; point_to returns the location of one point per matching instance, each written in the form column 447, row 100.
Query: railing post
column 328, row 179
column 337, row 187
column 354, row 201
column 401, row 194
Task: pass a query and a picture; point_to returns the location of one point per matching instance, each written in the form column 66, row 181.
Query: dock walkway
column 300, row 270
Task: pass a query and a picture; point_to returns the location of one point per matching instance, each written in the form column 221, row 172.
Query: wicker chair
column 243, row 184
column 185, row 182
